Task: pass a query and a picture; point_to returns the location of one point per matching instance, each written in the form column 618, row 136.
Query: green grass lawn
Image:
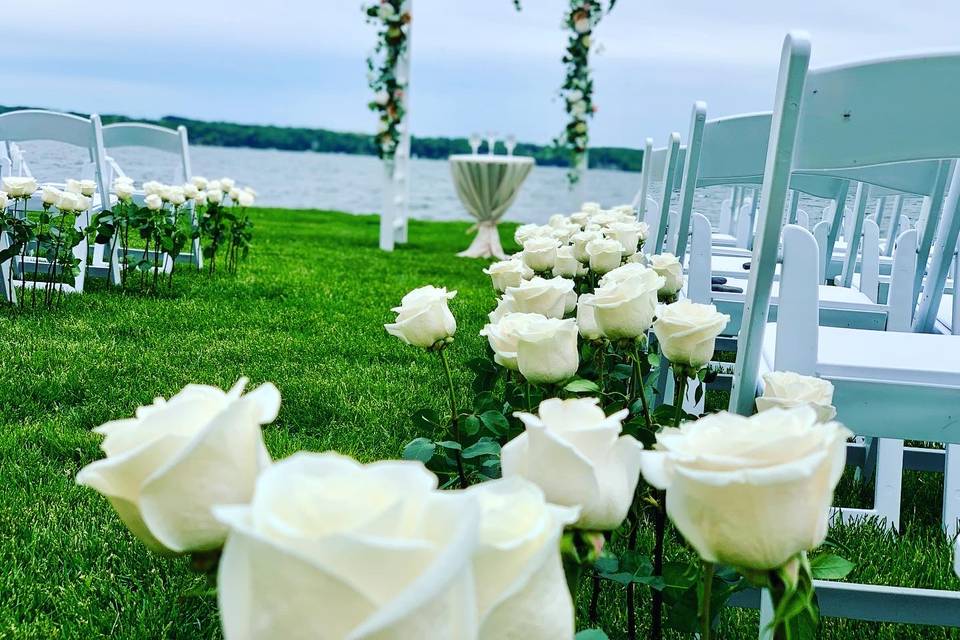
column 305, row 312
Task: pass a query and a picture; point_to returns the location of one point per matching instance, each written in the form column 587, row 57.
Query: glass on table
column 510, row 143
column 475, row 141
column 491, row 142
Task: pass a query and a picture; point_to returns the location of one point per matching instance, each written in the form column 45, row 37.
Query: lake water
column 352, row 183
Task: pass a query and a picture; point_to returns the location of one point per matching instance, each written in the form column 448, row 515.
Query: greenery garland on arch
column 392, row 18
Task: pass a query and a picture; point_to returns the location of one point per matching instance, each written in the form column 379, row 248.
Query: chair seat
column 881, row 356
column 723, row 240
column 827, row 293
column 732, row 266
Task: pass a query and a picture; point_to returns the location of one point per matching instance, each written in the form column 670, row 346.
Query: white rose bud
column 154, row 202
column 176, row 196
column 190, row 190
column 786, row 390
column 590, row 207
column 668, row 266
column 538, row 295
column 625, row 308
column 72, row 186
column 423, row 317
column 504, row 306
column 623, row 272
column 199, row 182
column 49, row 195
column 580, row 240
column 214, row 185
column 587, row 318
column 572, row 452
column 628, row 234
column 152, row 187
column 508, row 273
column 4, row 201
column 605, row 218
column 687, row 332
column 88, row 187
column 19, row 187
column 168, row 466
column 580, row 218
column 329, row 548
column 502, row 336
column 69, row 202
column 245, row 199
column 547, row 350
column 605, row 255
column 526, row 231
column 517, row 567
column 750, row 492
column 566, row 264
column 558, row 220
column 124, row 190
column 540, row 253
column 214, row 196
column 200, row 198
column 226, row 184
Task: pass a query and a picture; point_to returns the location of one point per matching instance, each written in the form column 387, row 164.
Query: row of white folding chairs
column 777, row 179
column 89, row 135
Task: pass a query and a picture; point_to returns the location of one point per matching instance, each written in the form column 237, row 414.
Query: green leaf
column 581, row 385
column 486, row 401
column 471, row 424
column 632, row 567
column 828, row 566
column 495, row 422
column 484, row 447
column 450, row 445
column 421, row 449
column 591, row 634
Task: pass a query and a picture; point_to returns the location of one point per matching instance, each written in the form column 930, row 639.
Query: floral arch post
column 389, row 76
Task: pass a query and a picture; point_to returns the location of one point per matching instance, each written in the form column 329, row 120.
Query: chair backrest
column 639, row 200
column 87, row 133
column 137, row 134
column 838, row 121
column 669, row 162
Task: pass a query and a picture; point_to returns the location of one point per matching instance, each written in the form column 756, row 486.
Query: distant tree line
column 229, row 134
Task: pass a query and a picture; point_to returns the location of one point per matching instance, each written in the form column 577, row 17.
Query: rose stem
column 705, row 618
column 454, row 419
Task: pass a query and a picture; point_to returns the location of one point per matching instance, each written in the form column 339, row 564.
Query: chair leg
column 766, row 615
column 869, row 469
column 951, row 493
column 888, row 480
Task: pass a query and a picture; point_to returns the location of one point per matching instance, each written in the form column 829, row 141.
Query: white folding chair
column 887, row 384
column 149, row 136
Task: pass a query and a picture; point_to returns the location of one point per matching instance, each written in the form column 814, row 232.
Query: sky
column 477, row 65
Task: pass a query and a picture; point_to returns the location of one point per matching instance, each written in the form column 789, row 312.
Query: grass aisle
column 306, row 312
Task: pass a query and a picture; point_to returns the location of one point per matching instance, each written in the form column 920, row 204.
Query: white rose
column 19, row 187
column 526, row 231
column 251, row 191
column 214, row 196
column 245, row 199
column 539, row 295
column 540, row 253
column 566, row 264
column 580, row 240
column 69, row 202
column 88, row 187
column 124, row 190
column 687, row 332
column 152, row 187
column 547, row 350
column 234, row 195
column 580, row 218
column 214, row 185
column 502, row 336
column 168, row 466
column 201, row 197
column 625, row 308
column 226, row 184
column 628, row 234
column 578, row 108
column 565, row 232
column 605, row 255
column 668, row 266
column 639, row 258
column 72, row 186
column 623, row 272
column 504, row 306
column 154, row 202
column 386, row 11
column 176, row 195
column 190, row 190
column 329, row 548
column 572, row 452
column 423, row 317
column 786, row 390
column 582, row 25
column 587, row 318
column 508, row 273
column 558, row 220
column 750, row 492
column 49, row 195
column 605, row 218
column 521, row 590
column 85, row 202
column 199, row 182
column 4, row 201
column 590, row 207
column 575, row 95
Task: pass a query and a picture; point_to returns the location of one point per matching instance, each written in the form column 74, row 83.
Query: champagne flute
column 491, row 142
column 475, row 141
column 510, row 143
